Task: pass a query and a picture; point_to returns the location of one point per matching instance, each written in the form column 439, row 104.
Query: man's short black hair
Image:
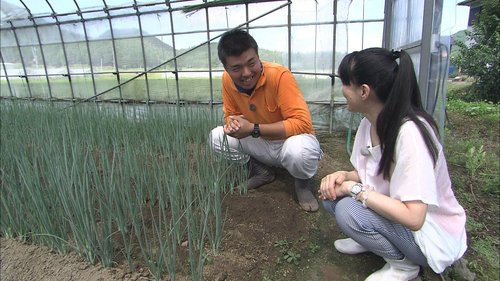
column 234, row 42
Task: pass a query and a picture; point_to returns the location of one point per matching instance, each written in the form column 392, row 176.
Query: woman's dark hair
column 234, row 42
column 396, row 86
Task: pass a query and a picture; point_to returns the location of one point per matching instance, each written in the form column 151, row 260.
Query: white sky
column 454, row 19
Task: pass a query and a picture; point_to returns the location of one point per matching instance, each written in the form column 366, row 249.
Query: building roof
column 470, row 3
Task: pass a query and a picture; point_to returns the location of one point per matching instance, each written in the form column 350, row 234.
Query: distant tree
column 478, row 55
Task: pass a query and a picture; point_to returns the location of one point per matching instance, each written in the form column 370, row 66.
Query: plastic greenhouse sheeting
column 166, row 51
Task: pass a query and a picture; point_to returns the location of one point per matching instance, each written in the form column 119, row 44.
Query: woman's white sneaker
column 396, row 270
column 349, row 246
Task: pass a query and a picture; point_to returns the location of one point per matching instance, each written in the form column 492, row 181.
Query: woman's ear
column 365, row 91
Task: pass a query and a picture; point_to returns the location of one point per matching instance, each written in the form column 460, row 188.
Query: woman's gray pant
column 377, row 234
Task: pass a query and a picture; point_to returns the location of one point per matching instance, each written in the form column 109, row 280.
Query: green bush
column 478, row 54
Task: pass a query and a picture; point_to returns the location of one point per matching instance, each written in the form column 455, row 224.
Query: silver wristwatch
column 356, row 189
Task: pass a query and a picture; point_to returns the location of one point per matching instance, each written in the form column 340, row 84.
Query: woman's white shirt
column 414, row 176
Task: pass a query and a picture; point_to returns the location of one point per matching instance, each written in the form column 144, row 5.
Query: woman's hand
column 332, row 186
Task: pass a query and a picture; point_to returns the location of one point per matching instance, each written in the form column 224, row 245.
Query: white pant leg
column 228, row 146
column 299, row 154
column 240, row 150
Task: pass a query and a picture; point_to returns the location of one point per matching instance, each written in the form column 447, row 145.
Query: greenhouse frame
column 164, row 52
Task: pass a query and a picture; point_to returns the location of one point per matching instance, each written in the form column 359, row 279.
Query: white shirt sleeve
column 413, row 176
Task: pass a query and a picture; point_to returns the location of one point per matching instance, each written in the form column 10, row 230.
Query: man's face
column 245, row 69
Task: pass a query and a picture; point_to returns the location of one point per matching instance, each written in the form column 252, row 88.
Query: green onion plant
column 116, row 186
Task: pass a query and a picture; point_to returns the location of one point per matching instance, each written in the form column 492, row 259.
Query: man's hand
column 238, row 127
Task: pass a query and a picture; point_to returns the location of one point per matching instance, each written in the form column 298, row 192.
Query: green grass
column 472, row 151
column 161, row 88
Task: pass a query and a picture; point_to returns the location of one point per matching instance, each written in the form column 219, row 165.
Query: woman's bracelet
column 364, row 194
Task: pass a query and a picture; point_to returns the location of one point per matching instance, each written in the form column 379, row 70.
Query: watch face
column 356, row 189
column 256, row 131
